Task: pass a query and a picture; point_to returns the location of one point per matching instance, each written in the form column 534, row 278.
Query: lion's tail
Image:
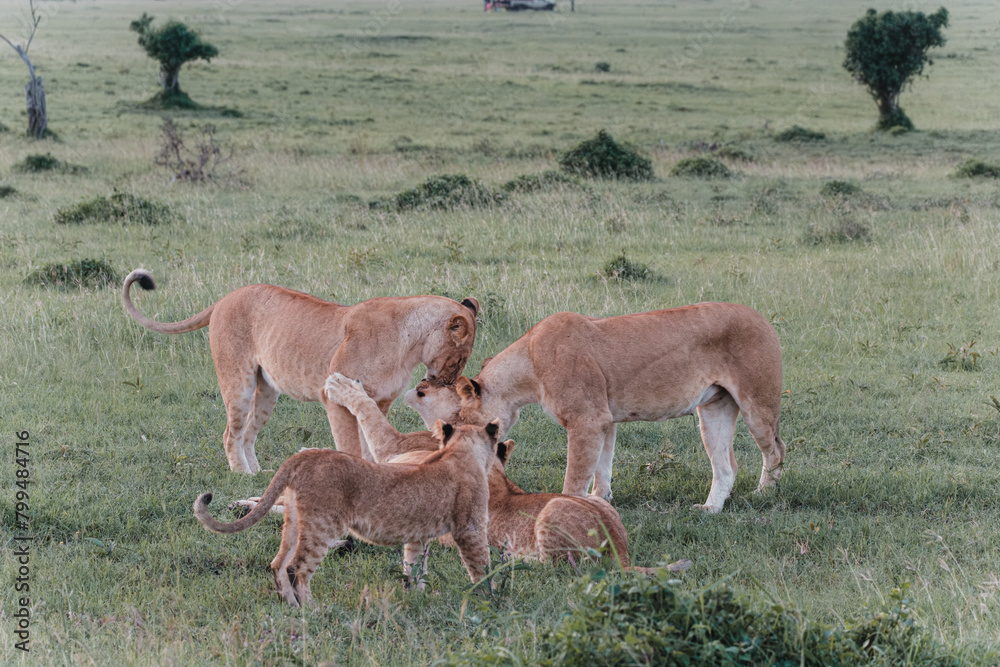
column 145, row 281
column 274, row 490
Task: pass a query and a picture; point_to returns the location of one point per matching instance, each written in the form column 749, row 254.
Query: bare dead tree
column 37, row 117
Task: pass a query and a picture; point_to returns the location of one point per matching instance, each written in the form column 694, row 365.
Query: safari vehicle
column 518, row 5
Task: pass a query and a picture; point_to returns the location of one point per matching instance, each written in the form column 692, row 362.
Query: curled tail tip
column 202, row 502
column 144, row 278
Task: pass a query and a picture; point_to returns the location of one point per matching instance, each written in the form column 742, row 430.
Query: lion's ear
column 458, row 327
column 469, row 391
column 504, row 450
column 493, row 429
column 442, row 431
column 485, row 361
column 472, row 303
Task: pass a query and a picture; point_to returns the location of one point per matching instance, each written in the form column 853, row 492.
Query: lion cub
column 329, row 494
column 539, row 526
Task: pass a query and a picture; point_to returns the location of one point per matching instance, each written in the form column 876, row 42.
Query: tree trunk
column 170, row 79
column 38, row 119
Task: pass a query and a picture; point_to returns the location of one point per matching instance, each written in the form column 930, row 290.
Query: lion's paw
column 708, row 509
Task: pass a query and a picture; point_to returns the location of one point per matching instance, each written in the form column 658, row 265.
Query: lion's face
column 447, row 350
column 434, row 401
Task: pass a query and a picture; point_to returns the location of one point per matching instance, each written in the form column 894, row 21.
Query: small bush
column 447, row 191
column 37, row 163
column 4, row 128
column 977, row 168
column 701, row 167
column 7, row 191
column 79, row 273
column 121, row 207
column 621, row 267
column 603, row 157
column 546, row 180
column 840, row 189
column 844, row 230
column 798, row 134
column 603, row 67
column 657, row 623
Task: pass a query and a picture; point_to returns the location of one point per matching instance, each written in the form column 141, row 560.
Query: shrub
column 7, row 191
column 975, row 168
column 701, row 167
column 121, row 207
column 447, row 191
column 79, row 273
column 735, row 154
column 603, row 67
column 799, row 134
column 653, row 622
column 886, row 51
column 546, row 180
column 603, row 157
column 621, row 267
column 840, row 189
column 172, row 45
column 205, row 162
column 37, row 163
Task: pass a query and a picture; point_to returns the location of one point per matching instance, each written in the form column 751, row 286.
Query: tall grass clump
column 655, row 622
column 37, row 163
column 701, row 167
column 622, row 267
column 603, row 157
column 799, row 134
column 78, row 273
column 977, row 168
column 838, row 188
column 121, row 207
column 843, row 229
column 447, row 191
column 546, row 180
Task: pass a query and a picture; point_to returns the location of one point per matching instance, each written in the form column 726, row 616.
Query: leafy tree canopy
column 172, row 44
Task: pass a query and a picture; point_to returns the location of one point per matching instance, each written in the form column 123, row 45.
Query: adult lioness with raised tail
column 329, row 494
column 269, row 340
column 717, row 359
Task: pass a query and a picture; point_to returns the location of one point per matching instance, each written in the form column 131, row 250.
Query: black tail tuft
column 146, row 282
column 205, row 499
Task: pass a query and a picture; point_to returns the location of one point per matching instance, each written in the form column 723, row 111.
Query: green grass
column 892, row 469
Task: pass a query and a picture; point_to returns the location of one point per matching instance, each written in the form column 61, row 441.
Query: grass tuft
column 7, row 191
column 701, row 167
column 622, row 267
column 37, row 163
column 799, row 134
column 614, row 623
column 603, row 157
column 546, row 180
column 78, row 273
column 977, row 168
column 121, row 207
column 843, row 229
column 448, row 192
column 840, row 189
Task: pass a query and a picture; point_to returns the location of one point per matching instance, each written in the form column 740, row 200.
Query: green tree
column 172, row 45
column 885, row 51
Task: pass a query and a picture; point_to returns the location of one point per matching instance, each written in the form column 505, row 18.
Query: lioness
column 329, row 494
column 530, row 525
column 269, row 340
column 719, row 359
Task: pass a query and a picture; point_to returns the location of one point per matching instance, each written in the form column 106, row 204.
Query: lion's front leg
column 415, row 556
column 586, row 442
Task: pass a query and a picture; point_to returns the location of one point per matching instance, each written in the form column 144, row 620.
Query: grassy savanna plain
column 893, row 461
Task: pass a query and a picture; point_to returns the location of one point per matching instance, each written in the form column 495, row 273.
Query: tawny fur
column 531, row 525
column 717, row 359
column 329, row 494
column 269, row 340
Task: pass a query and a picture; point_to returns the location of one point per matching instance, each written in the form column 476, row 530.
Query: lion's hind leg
column 287, row 551
column 264, row 399
column 316, row 536
column 717, row 421
column 415, row 557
